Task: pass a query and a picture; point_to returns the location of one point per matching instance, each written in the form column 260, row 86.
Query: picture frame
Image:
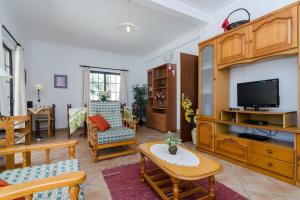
column 60, row 81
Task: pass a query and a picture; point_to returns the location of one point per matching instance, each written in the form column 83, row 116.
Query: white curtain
column 86, row 86
column 19, row 86
column 123, row 87
column 4, row 101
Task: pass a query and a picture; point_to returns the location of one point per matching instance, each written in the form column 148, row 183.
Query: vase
column 193, row 133
column 173, row 150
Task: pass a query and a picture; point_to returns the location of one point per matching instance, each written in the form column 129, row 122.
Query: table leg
column 49, row 125
column 175, row 188
column 142, row 167
column 212, row 194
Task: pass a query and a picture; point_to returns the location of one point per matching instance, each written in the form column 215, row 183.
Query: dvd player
column 253, row 136
column 255, row 122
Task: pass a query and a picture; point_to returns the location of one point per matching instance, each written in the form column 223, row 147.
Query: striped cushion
column 115, row 134
column 110, row 110
column 22, row 175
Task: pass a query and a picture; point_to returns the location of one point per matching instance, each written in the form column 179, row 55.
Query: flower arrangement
column 160, row 95
column 172, row 140
column 186, row 104
column 104, row 95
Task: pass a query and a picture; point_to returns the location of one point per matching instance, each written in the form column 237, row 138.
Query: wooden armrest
column 28, row 188
column 38, row 147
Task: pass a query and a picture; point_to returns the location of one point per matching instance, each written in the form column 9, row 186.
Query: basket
column 237, row 23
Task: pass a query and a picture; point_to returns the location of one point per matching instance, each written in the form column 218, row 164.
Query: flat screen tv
column 252, row 95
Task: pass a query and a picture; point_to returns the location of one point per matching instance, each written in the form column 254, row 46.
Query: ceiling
column 209, row 6
column 91, row 23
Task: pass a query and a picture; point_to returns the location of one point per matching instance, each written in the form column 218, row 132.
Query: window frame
column 104, row 73
column 11, row 84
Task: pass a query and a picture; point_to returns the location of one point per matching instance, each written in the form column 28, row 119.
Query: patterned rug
column 124, row 183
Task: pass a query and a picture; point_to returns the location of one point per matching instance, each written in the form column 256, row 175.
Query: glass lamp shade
column 38, row 87
column 4, row 74
column 127, row 27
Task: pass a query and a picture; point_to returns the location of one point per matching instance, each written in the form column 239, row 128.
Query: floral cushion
column 115, row 134
column 110, row 110
column 26, row 174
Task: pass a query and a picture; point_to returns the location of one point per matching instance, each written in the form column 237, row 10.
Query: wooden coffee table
column 173, row 181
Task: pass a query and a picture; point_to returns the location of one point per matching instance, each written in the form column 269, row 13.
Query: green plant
column 172, row 140
column 187, row 105
column 140, row 101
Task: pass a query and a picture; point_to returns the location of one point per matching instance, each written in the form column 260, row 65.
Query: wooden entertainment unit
column 273, row 35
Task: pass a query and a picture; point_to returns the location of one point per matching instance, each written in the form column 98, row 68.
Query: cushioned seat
column 115, row 134
column 26, row 174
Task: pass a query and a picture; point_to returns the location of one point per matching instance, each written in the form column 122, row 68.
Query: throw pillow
column 3, row 183
column 100, row 121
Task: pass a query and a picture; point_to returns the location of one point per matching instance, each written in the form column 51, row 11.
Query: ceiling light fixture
column 127, row 26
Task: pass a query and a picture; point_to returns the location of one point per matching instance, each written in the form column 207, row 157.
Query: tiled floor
column 248, row 183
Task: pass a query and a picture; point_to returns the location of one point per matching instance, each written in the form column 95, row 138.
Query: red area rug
column 124, row 183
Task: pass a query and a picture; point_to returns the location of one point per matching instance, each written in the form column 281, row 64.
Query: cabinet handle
column 270, row 164
column 269, row 151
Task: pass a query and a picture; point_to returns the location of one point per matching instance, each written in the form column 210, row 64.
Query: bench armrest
column 27, row 189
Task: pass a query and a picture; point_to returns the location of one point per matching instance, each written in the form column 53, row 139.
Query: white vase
column 194, row 135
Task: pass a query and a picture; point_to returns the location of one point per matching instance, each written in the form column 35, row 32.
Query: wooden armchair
column 60, row 180
column 121, row 134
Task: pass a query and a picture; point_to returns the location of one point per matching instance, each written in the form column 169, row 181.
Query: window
column 104, row 81
column 8, row 68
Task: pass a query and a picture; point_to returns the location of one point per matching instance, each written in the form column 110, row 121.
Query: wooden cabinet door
column 233, row 46
column 275, row 33
column 205, row 135
column 206, row 84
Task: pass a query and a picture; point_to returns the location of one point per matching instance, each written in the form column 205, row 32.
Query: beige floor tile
column 248, row 183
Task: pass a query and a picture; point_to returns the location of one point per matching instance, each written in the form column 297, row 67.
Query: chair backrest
column 52, row 112
column 110, row 110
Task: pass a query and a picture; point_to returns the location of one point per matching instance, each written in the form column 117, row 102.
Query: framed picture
column 60, row 81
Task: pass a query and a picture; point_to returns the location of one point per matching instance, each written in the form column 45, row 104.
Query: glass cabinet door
column 207, row 81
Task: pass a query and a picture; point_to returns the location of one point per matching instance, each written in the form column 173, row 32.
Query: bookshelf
column 161, row 109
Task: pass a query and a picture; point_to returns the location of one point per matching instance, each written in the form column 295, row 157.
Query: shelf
column 281, row 143
column 157, row 88
column 159, row 108
column 260, row 112
column 160, row 78
column 272, row 127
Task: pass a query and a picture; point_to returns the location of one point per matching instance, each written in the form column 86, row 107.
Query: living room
column 149, row 99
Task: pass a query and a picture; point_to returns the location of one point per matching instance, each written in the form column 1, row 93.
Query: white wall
column 45, row 60
column 276, row 67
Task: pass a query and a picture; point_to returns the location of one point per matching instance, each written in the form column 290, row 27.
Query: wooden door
column 189, row 87
column 275, row 33
column 233, row 46
column 205, row 135
column 298, row 158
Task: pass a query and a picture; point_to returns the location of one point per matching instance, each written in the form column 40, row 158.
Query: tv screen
column 263, row 93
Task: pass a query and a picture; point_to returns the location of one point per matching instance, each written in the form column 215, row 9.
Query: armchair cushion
column 115, row 134
column 102, row 124
column 26, row 174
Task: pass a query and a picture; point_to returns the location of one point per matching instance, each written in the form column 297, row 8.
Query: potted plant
column 140, row 102
column 172, row 140
column 189, row 115
column 104, row 95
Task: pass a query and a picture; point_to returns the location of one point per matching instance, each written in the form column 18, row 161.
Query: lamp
column 127, row 26
column 38, row 88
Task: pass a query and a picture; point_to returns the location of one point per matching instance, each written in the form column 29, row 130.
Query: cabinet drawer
column 232, row 147
column 279, row 153
column 283, row 168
